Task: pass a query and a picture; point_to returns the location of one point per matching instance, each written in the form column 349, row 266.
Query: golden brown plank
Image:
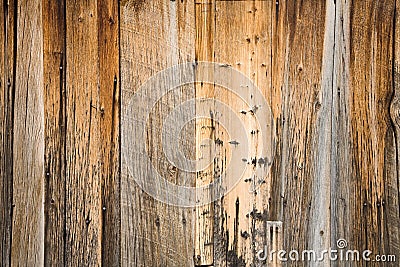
column 392, row 171
column 83, row 136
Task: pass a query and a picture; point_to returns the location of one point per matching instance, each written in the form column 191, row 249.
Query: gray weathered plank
column 155, row 35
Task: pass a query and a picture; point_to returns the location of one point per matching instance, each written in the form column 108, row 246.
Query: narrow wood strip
column 391, row 218
column 7, row 88
column 204, row 217
column 243, row 41
column 54, row 58
column 83, row 137
column 28, row 143
column 109, row 100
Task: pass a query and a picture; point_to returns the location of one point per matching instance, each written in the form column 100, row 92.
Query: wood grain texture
column 329, row 70
column 7, row 88
column 303, row 125
column 311, row 59
column 391, row 214
column 278, row 57
column 28, row 142
column 83, row 136
column 365, row 137
column 82, row 133
column 54, row 58
column 204, row 216
column 155, row 35
column 109, row 101
column 341, row 172
column 243, row 40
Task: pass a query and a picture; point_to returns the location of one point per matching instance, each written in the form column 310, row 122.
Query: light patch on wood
column 28, row 146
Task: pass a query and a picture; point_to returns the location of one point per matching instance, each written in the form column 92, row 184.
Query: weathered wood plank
column 262, row 232
column 243, row 40
column 301, row 103
column 7, row 85
column 105, row 93
column 109, row 100
column 300, row 86
column 327, row 69
column 28, row 141
column 204, row 216
column 54, row 58
column 364, row 141
column 319, row 151
column 83, row 137
column 155, row 35
column 388, row 33
column 341, row 171
column 232, row 47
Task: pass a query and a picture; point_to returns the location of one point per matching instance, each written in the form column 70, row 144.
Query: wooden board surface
column 328, row 70
column 204, row 216
column 27, row 240
column 55, row 129
column 7, row 66
column 154, row 36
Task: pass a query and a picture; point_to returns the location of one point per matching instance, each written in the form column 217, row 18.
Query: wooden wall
column 329, row 71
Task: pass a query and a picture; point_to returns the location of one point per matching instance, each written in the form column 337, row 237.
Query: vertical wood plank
column 83, row 139
column 341, row 142
column 388, row 77
column 109, row 100
column 364, row 153
column 320, row 151
column 300, row 87
column 365, row 138
column 55, row 130
column 233, row 37
column 204, row 216
column 263, row 230
column 243, row 40
column 5, row 192
column 28, row 143
column 104, row 151
column 7, row 88
column 155, row 35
